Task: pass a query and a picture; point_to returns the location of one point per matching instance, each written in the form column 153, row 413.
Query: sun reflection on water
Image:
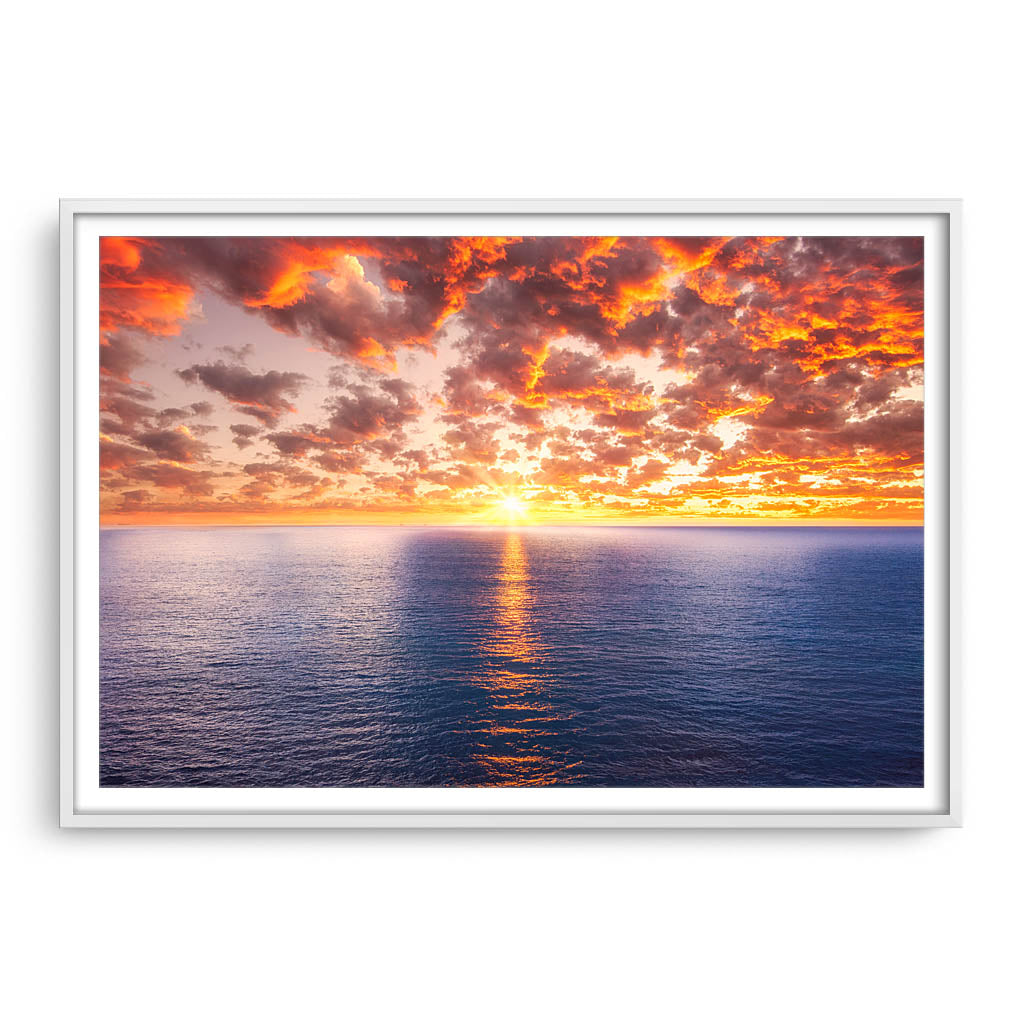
column 522, row 733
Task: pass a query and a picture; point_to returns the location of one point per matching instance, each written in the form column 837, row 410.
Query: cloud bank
column 653, row 379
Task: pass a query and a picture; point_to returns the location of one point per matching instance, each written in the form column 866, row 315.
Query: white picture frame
column 82, row 804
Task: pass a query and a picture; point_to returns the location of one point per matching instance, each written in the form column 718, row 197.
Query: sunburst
column 514, row 508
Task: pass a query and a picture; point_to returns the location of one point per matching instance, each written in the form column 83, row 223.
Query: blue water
column 341, row 656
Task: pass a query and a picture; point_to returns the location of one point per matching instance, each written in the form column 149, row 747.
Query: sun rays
column 509, row 509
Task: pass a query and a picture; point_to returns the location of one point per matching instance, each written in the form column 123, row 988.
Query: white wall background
column 477, row 100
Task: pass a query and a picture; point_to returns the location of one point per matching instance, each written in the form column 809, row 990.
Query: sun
column 515, row 508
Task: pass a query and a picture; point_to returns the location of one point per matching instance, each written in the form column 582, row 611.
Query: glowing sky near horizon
column 544, row 379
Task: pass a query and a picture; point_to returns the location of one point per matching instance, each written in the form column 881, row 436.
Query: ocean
column 535, row 656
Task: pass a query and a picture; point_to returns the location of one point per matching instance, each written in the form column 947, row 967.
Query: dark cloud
column 366, row 413
column 266, row 396
column 244, row 434
column 119, row 357
column 131, row 500
column 116, row 456
column 173, row 445
column 176, row 415
column 164, row 475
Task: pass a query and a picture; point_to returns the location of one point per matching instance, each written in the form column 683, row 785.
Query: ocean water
column 355, row 656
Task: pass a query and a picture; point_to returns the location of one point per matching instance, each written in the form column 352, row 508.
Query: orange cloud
column 132, row 298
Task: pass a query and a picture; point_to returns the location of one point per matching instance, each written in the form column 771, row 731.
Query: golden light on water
column 519, row 729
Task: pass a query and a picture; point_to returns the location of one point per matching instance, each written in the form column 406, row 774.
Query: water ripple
column 533, row 657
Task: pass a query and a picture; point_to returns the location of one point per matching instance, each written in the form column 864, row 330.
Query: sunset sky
column 494, row 380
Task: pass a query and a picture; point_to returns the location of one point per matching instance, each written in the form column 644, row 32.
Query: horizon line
column 877, row 525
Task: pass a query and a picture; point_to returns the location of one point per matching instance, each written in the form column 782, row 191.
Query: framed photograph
column 509, row 514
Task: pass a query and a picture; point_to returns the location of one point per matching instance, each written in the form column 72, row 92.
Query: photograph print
column 549, row 511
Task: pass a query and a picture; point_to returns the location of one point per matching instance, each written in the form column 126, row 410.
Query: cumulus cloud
column 119, row 357
column 244, row 434
column 173, row 445
column 265, row 396
column 365, row 413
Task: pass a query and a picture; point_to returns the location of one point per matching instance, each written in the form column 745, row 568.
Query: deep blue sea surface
column 348, row 656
